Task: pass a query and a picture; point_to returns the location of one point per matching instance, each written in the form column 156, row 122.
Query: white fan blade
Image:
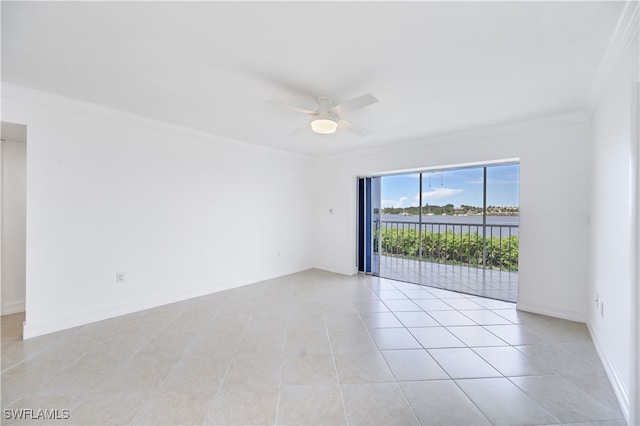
column 289, row 85
column 293, row 107
column 354, row 104
column 352, row 127
column 300, row 129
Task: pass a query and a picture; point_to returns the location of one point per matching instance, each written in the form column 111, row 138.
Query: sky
column 457, row 187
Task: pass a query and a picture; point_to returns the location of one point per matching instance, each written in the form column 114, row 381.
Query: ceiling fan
column 328, row 117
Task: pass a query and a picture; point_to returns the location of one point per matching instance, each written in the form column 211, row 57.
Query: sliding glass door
column 453, row 228
column 369, row 210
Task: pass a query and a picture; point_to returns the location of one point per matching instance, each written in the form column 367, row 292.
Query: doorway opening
column 451, row 228
column 13, row 155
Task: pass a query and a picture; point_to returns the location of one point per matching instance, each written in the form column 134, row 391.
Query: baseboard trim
column 9, row 308
column 553, row 311
column 337, row 270
column 622, row 394
column 34, row 329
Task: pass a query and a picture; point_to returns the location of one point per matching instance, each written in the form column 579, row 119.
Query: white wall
column 13, row 226
column 180, row 212
column 554, row 159
column 613, row 256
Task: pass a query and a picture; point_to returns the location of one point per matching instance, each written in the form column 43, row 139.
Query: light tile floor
column 500, row 285
column 314, row 348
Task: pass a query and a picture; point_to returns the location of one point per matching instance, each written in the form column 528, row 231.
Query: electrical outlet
column 120, row 277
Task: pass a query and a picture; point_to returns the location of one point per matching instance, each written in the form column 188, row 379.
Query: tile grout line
column 284, row 350
column 475, row 352
column 333, row 358
column 404, row 396
column 449, row 375
column 354, row 296
column 189, row 349
column 235, row 352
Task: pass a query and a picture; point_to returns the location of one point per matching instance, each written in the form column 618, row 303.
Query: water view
column 450, row 230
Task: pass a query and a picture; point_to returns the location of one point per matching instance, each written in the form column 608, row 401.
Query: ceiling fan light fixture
column 324, row 126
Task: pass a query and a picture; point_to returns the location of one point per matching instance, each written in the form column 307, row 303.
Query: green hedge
column 447, row 247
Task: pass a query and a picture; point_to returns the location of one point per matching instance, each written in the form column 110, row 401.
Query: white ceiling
column 436, row 67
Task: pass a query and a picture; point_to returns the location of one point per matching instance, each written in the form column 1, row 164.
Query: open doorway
column 451, row 228
column 13, row 152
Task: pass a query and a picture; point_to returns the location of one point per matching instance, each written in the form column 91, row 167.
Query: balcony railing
column 475, row 245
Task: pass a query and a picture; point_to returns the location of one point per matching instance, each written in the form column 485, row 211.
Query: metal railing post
column 484, row 217
column 420, row 222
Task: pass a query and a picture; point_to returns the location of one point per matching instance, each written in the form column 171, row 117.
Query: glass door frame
column 369, row 227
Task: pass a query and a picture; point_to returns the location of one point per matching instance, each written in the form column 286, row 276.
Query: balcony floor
column 500, row 285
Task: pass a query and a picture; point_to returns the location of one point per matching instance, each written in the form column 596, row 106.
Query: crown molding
column 533, row 124
column 624, row 35
column 76, row 106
